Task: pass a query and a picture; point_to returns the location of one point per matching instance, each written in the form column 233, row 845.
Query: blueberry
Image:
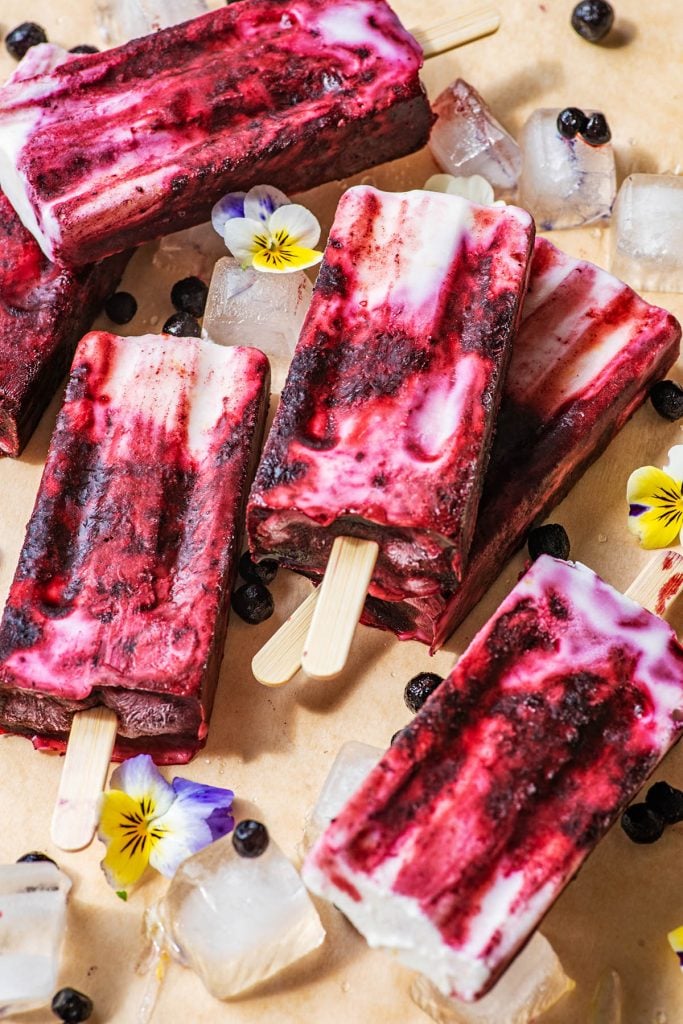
column 182, row 325
column 550, row 539
column 419, row 688
column 257, row 572
column 666, row 801
column 23, row 37
column 642, row 824
column 71, row 1006
column 253, row 602
column 250, row 838
column 570, row 122
column 121, row 307
column 593, row 19
column 84, row 48
column 34, row 857
column 596, row 132
column 667, row 399
column 189, row 296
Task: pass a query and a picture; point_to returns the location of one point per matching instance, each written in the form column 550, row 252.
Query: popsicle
column 121, row 595
column 116, row 148
column 461, row 838
column 386, row 418
column 44, row 310
column 587, row 353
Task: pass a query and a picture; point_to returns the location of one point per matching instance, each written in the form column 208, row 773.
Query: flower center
column 671, row 504
column 139, row 830
column 277, row 250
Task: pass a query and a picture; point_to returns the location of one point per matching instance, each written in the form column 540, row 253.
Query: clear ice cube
column 533, row 983
column 467, row 139
column 247, row 307
column 32, row 921
column 349, row 768
column 564, row 182
column 235, row 920
column 121, row 20
column 189, row 253
column 647, row 232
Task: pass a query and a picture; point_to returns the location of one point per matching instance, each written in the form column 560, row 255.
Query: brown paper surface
column 274, row 748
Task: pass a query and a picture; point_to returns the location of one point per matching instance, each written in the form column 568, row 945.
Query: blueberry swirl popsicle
column 112, row 149
column 122, row 592
column 386, row 418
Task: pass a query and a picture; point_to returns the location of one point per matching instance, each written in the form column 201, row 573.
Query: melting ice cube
column 235, row 920
column 564, row 182
column 467, row 139
column 188, row 253
column 647, row 232
column 350, row 767
column 247, row 307
column 121, row 20
column 533, row 983
column 32, row 920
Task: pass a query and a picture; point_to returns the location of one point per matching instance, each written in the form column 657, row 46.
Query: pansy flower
column 145, row 820
column 264, row 230
column 475, row 188
column 655, row 500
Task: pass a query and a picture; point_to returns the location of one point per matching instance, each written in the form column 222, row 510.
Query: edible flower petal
column 475, row 188
column 265, row 231
column 145, row 821
column 655, row 500
column 676, row 942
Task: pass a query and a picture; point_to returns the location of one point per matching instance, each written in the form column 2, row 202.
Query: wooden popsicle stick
column 660, row 582
column 280, row 658
column 88, row 754
column 466, row 26
column 339, row 606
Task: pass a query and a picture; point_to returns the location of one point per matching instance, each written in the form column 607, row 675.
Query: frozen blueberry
column 419, row 688
column 642, row 824
column 596, row 131
column 550, row 539
column 666, row 801
column 23, row 37
column 35, row 856
column 71, row 1006
column 257, row 572
column 189, row 296
column 84, row 48
column 253, row 602
column 593, row 19
column 182, row 325
column 667, row 398
column 121, row 307
column 250, row 838
column 570, row 122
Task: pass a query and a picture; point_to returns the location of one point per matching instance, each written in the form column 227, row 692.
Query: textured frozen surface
column 586, row 354
column 467, row 139
column 44, row 310
column 246, row 307
column 349, row 769
column 236, row 920
column 385, row 423
column 647, row 232
column 121, row 595
column 189, row 253
column 490, row 800
column 533, row 983
column 32, row 923
column 108, row 150
column 121, row 20
column 564, row 182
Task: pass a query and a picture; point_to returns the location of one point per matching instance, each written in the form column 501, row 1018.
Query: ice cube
column 189, row 253
column 247, row 307
column 647, row 232
column 564, row 182
column 533, row 983
column 467, row 139
column 351, row 765
column 32, row 921
column 235, row 920
column 121, row 20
